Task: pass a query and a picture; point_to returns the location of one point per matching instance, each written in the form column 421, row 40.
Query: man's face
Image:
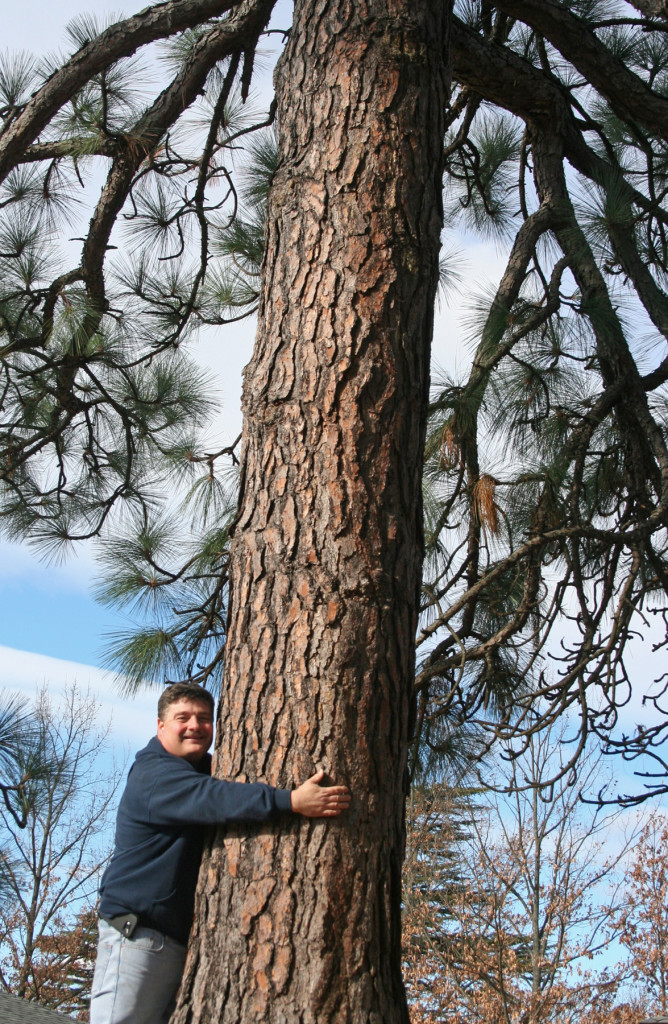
column 187, row 729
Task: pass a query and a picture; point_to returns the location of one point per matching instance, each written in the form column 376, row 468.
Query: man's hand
column 316, row 801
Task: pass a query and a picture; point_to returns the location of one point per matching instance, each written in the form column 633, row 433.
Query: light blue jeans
column 135, row 980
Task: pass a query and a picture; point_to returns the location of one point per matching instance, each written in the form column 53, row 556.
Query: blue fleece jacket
column 160, row 832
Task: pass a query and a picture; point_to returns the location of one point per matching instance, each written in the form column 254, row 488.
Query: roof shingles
column 20, row 1011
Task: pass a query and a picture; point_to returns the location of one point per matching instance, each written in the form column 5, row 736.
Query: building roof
column 661, row 1019
column 21, row 1011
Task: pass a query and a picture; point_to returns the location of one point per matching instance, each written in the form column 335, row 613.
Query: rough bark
column 652, row 8
column 301, row 922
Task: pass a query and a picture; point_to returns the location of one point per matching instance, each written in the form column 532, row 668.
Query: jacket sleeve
column 180, row 795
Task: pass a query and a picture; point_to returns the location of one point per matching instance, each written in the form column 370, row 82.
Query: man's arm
column 315, row 801
column 171, row 792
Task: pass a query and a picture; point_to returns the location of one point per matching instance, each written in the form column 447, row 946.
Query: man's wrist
column 283, row 800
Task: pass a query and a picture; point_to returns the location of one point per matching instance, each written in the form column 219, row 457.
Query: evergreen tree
column 548, row 462
column 436, row 884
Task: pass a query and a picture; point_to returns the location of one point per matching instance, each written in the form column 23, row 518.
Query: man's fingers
column 336, row 801
column 317, row 801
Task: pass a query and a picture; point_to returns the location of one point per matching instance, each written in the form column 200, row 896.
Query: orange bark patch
column 262, row 981
column 304, row 726
column 255, row 901
column 356, row 253
column 259, row 601
column 233, row 854
column 280, row 480
column 293, row 611
column 280, row 971
column 289, row 523
column 386, row 98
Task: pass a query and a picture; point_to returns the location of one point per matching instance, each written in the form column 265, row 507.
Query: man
column 147, row 893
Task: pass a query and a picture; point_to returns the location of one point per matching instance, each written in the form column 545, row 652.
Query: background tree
column 538, row 884
column 51, row 865
column 642, row 918
column 64, row 962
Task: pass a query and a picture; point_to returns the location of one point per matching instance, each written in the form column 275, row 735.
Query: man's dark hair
column 183, row 691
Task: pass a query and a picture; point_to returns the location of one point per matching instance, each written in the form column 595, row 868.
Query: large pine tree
column 326, row 554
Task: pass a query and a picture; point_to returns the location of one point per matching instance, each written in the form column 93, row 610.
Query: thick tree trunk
column 301, row 922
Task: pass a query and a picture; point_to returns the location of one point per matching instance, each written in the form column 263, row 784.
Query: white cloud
column 132, row 719
column 21, row 562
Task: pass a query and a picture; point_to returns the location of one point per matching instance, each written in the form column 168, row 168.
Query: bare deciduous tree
column 642, row 918
column 51, row 865
column 538, row 884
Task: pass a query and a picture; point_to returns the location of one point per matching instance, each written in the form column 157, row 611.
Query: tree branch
column 119, row 40
column 627, row 94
